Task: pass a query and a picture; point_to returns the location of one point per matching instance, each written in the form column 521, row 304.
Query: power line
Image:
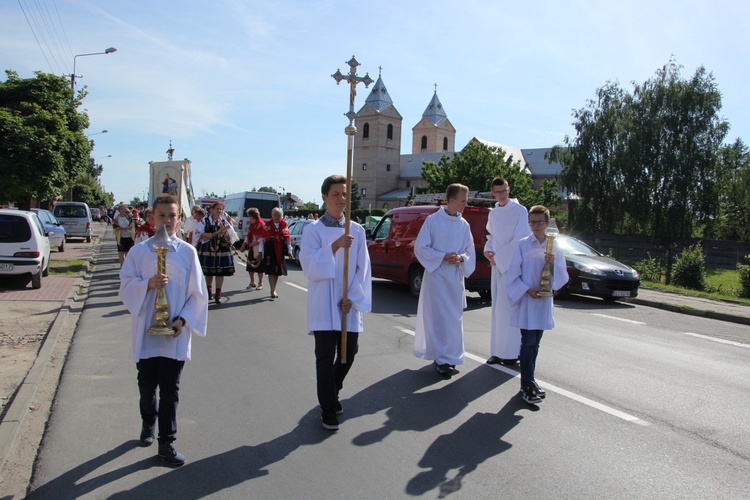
column 35, row 37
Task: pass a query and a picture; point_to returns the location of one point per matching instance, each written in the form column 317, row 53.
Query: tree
column 356, row 195
column 734, row 195
column 475, row 166
column 647, row 162
column 266, row 189
column 42, row 146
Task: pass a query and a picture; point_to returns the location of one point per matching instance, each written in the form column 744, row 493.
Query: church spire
column 379, row 98
column 435, row 112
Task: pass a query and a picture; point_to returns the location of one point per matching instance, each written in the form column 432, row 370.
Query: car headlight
column 588, row 269
column 635, row 273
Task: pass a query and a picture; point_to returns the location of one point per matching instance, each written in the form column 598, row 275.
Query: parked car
column 295, row 230
column 76, row 217
column 53, row 227
column 592, row 273
column 391, row 247
column 24, row 246
column 96, row 214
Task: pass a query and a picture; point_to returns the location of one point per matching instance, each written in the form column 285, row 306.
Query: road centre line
column 721, row 341
column 552, row 388
column 618, row 319
column 296, row 286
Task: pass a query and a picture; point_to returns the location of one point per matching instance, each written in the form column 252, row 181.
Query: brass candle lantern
column 545, row 284
column 162, row 302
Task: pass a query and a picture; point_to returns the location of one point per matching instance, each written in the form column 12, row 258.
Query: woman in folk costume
column 275, row 244
column 124, row 229
column 215, row 239
column 252, row 245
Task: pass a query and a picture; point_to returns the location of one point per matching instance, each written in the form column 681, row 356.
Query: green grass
column 66, row 267
column 723, row 284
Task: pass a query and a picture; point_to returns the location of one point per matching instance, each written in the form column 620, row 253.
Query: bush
column 651, row 270
column 744, row 270
column 690, row 268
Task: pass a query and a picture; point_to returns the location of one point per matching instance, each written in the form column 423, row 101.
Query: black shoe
column 445, row 369
column 493, row 360
column 339, row 408
column 530, row 396
column 330, row 421
column 171, row 456
column 509, row 362
column 147, row 434
column 539, row 391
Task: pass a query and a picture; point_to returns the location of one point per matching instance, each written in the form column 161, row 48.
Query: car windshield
column 14, row 229
column 574, row 247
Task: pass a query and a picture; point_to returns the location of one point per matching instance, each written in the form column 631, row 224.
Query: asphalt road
column 642, row 403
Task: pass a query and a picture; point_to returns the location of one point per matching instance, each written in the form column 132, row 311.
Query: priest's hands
column 158, row 281
column 490, row 256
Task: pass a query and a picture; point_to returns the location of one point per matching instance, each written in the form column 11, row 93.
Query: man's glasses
column 537, row 222
column 500, row 191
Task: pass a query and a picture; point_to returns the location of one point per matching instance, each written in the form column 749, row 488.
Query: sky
column 243, row 88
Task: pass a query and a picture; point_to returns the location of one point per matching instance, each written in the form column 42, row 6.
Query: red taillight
column 240, row 224
column 27, row 255
column 88, row 225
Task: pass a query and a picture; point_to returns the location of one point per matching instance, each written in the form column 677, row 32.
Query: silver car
column 76, row 217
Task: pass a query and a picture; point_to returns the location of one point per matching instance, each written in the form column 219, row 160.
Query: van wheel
column 61, row 248
column 415, row 280
column 88, row 239
column 36, row 280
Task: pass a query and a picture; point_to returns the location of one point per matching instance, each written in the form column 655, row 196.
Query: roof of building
column 510, row 151
column 411, row 164
column 435, row 112
column 396, row 194
column 541, row 167
column 379, row 98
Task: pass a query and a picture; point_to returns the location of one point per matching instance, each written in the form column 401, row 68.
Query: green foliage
column 647, row 162
column 744, row 270
column 310, row 205
column 42, row 145
column 475, row 166
column 266, row 189
column 356, row 195
column 651, row 269
column 690, row 269
column 733, row 196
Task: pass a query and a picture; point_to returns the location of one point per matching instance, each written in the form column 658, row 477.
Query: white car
column 24, row 246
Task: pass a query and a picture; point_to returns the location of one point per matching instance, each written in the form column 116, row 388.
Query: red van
column 391, row 247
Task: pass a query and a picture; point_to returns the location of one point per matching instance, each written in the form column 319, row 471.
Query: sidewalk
column 733, row 312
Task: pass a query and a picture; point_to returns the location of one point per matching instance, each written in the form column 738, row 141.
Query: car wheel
column 88, row 239
column 61, row 248
column 45, row 272
column 295, row 252
column 36, row 280
column 415, row 280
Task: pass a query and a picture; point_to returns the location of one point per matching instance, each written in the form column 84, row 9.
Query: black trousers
column 165, row 374
column 329, row 370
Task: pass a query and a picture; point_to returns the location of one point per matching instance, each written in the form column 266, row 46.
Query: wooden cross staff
column 350, row 131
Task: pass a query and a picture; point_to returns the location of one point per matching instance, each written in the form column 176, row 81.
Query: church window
column 445, row 144
column 364, row 191
column 388, row 167
column 390, row 131
column 424, row 142
column 364, row 166
column 366, row 131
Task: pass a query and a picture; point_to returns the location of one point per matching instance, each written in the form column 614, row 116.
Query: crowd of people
column 204, row 252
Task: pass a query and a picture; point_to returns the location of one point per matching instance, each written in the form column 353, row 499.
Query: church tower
column 434, row 133
column 377, row 146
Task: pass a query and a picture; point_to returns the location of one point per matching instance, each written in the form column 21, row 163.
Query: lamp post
column 97, row 133
column 98, row 168
column 73, row 76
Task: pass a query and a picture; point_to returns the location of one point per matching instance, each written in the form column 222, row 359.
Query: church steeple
column 379, row 98
column 435, row 112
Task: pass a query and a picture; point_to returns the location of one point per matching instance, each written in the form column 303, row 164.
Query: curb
column 731, row 318
column 19, row 407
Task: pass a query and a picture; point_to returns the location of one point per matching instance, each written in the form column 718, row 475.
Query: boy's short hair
column 540, row 209
column 200, row 211
column 498, row 181
column 330, row 181
column 165, row 199
column 454, row 190
column 253, row 212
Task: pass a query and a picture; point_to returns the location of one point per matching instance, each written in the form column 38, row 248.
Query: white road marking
column 558, row 390
column 721, row 341
column 296, row 286
column 618, row 319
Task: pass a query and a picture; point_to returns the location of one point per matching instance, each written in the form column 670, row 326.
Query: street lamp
column 97, row 133
column 73, row 76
